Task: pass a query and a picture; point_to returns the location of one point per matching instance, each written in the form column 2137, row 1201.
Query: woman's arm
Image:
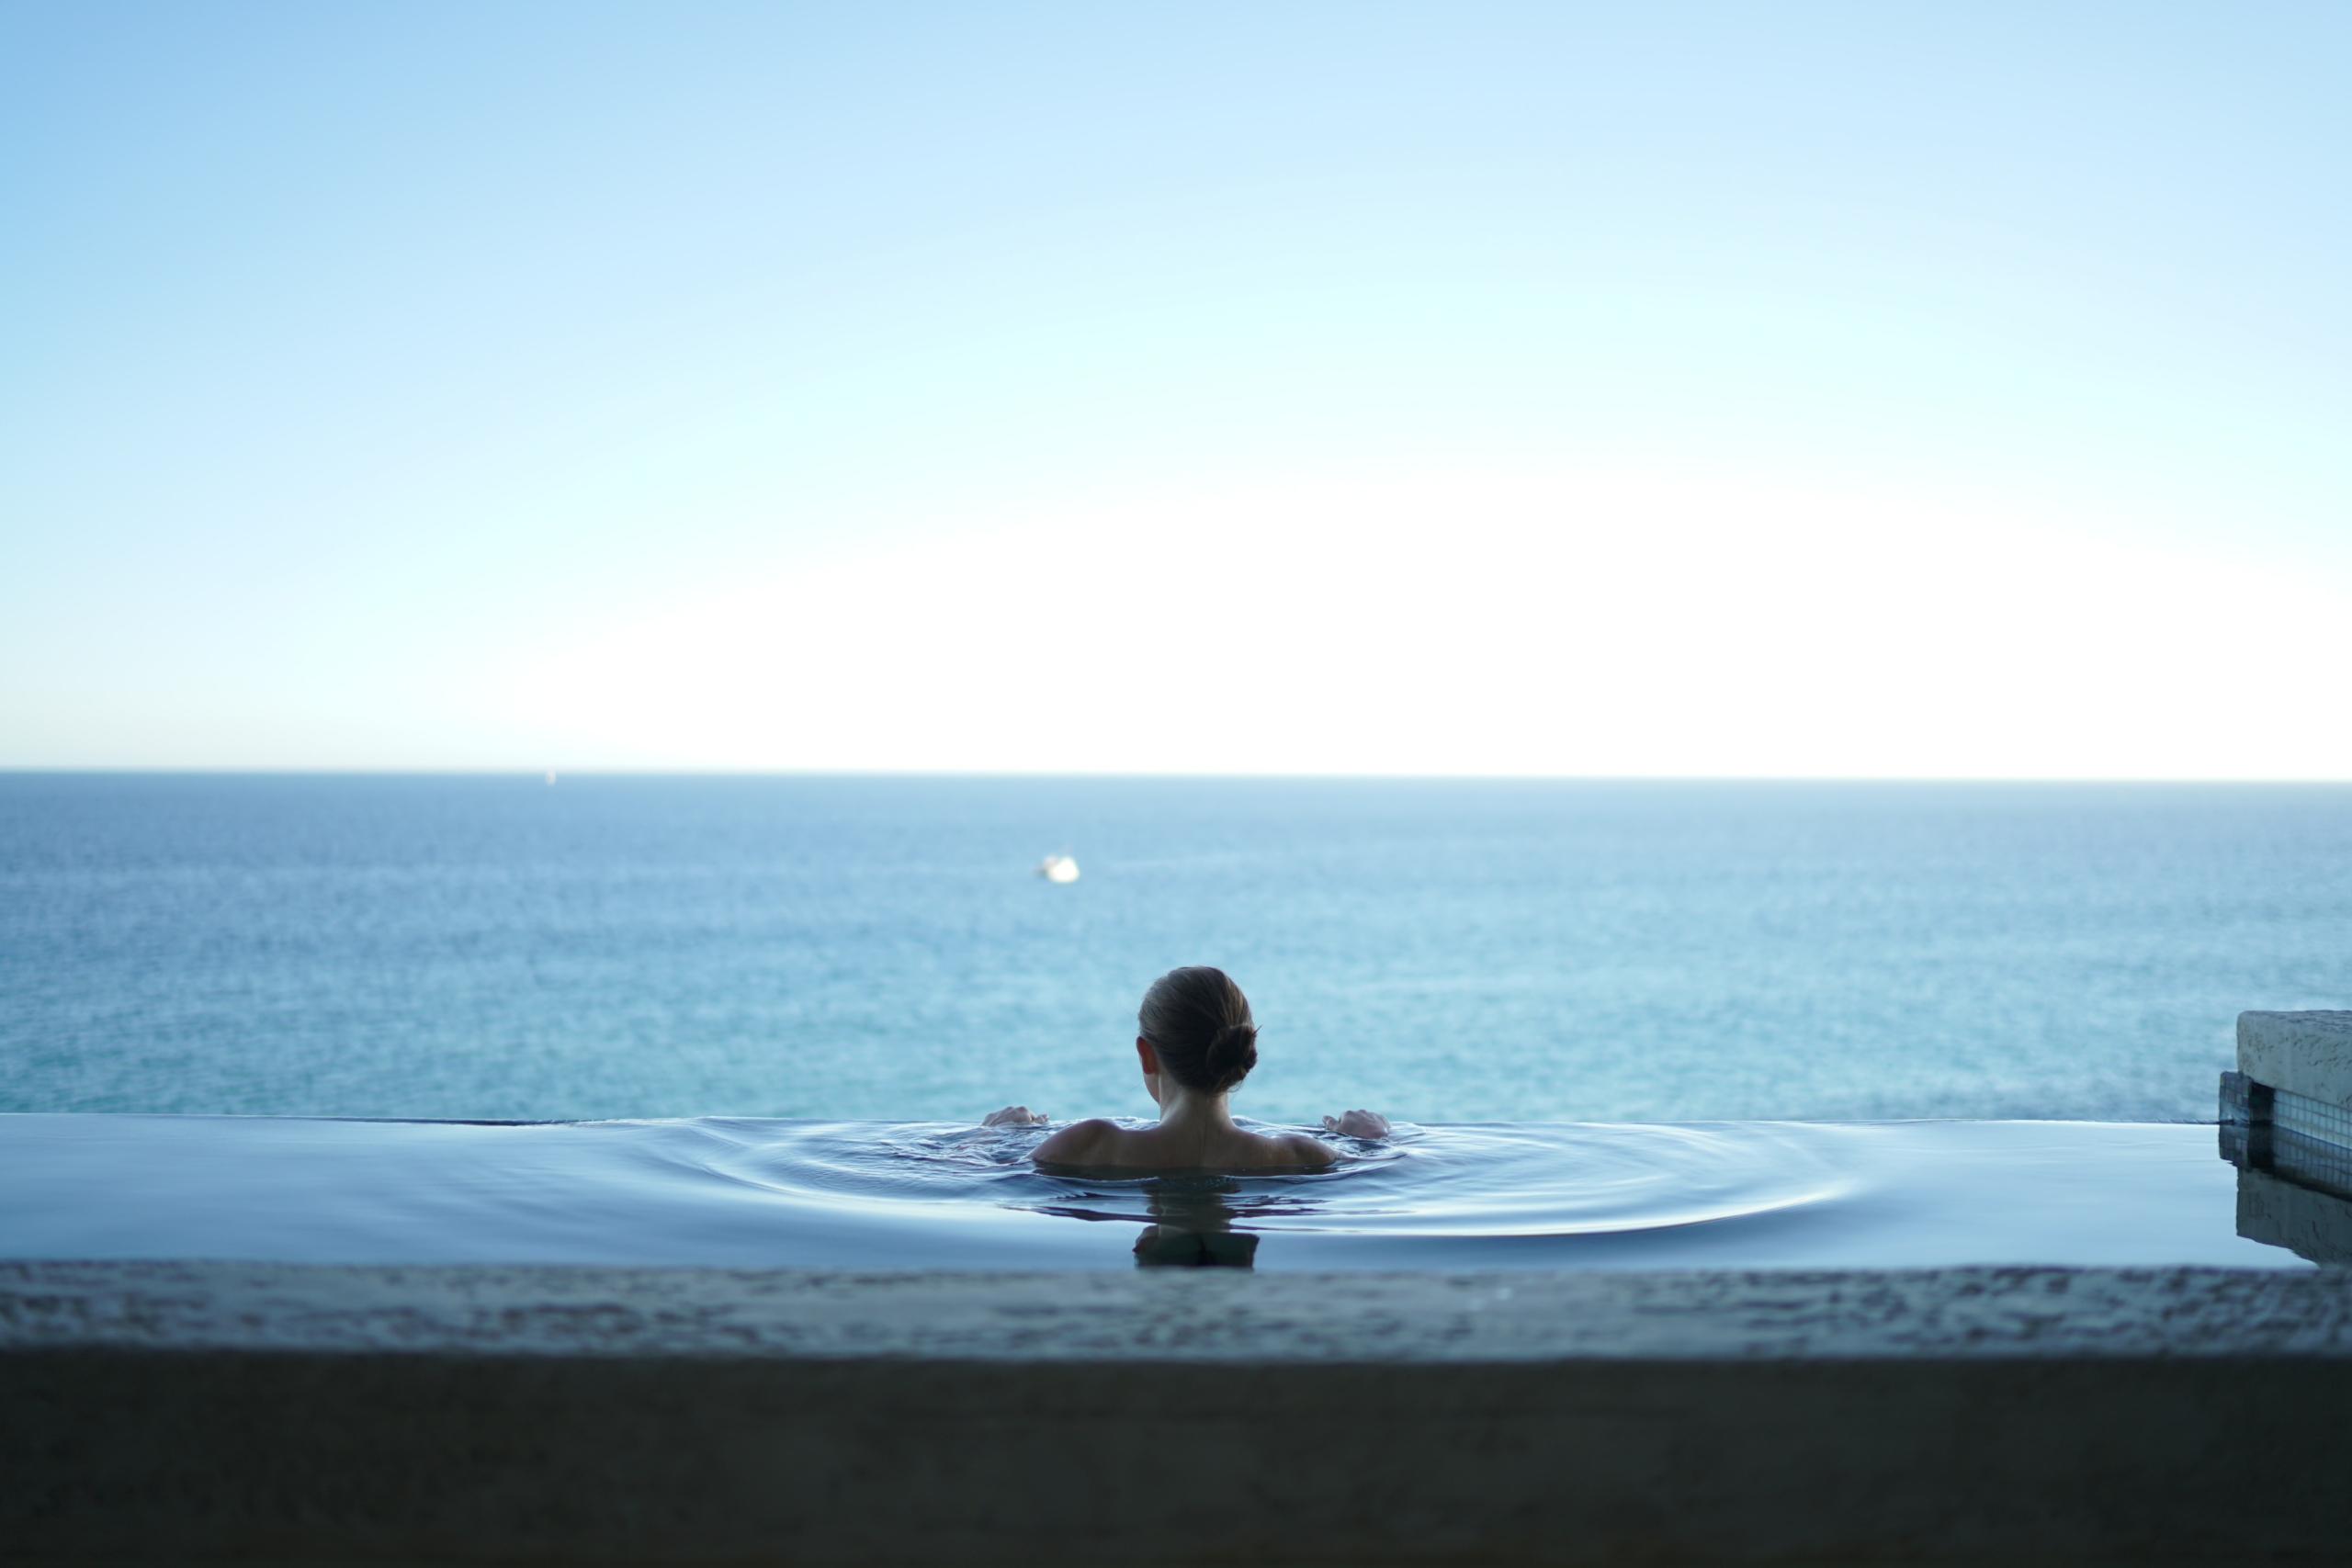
column 1015, row 1116
column 1357, row 1125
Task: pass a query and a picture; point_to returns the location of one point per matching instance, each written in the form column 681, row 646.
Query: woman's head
column 1198, row 1021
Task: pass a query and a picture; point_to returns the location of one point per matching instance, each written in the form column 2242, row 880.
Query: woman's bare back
column 1098, row 1142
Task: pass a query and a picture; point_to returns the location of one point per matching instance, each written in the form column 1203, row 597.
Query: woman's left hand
column 1015, row 1116
column 1357, row 1125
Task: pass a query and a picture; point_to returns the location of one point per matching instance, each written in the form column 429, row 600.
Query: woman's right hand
column 1357, row 1125
column 1013, row 1116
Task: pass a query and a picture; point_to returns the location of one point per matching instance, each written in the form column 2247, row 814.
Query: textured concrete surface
column 1178, row 1315
column 231, row 1412
column 2303, row 1052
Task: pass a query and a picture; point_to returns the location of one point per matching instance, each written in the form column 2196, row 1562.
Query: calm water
column 1446, row 951
column 750, row 1193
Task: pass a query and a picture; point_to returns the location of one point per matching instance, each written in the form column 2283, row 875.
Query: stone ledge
column 226, row 1413
column 2308, row 1053
column 1178, row 1316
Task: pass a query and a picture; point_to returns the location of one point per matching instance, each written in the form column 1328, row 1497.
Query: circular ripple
column 1462, row 1181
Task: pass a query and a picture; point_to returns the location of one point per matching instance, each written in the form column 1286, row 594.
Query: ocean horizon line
column 1142, row 776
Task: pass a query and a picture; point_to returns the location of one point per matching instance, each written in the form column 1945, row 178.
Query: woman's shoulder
column 1079, row 1143
column 1303, row 1150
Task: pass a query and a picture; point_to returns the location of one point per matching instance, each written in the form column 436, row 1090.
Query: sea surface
column 882, row 948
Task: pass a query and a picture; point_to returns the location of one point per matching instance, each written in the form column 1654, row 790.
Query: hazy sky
column 1741, row 390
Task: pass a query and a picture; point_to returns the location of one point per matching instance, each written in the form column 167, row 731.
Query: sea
column 1440, row 950
column 757, row 1022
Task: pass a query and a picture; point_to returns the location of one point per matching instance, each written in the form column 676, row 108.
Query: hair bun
column 1199, row 1022
column 1232, row 1054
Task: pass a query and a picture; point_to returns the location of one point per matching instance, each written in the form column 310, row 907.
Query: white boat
column 1057, row 868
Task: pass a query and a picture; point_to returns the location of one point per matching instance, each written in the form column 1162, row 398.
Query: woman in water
column 1198, row 1043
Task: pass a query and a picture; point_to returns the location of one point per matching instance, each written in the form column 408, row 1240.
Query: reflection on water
column 2294, row 1182
column 1192, row 1226
column 2310, row 1224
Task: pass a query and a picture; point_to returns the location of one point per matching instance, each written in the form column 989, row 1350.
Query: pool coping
column 215, row 1411
column 1171, row 1314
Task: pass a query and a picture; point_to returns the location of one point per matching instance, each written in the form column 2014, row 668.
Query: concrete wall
column 225, row 1413
column 2308, row 1053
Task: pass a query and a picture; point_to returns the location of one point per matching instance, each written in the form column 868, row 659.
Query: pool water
column 749, row 1192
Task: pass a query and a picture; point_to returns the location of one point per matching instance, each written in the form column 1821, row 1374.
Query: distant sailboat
column 1057, row 868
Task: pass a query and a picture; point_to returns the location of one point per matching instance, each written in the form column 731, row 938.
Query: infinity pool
column 756, row 1193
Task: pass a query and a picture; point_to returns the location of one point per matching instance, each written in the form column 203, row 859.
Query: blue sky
column 1858, row 390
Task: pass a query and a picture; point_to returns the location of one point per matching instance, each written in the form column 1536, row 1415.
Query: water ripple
column 1460, row 1180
